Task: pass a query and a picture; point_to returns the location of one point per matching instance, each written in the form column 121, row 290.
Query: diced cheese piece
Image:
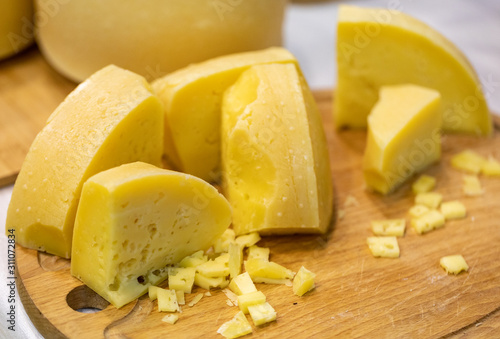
column 379, row 47
column 262, row 313
column 195, row 93
column 453, row 210
column 242, row 284
column 394, row 227
column 454, row 264
column 429, row 199
column 110, row 119
column 213, row 269
column 418, row 210
column 152, row 292
column 167, row 300
column 208, row 282
column 303, row 281
column 236, row 327
column 222, row 243
column 252, row 298
column 181, row 278
column 235, row 259
column 267, row 269
column 135, row 220
column 384, row 247
column 195, row 300
column 181, row 300
column 403, row 136
column 247, row 240
column 468, row 161
column 256, row 252
column 424, row 183
column 16, row 27
column 275, row 159
column 428, row 222
column 170, row 318
column 472, row 185
column 194, row 259
column 491, row 167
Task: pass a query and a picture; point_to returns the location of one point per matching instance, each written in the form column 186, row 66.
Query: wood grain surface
column 356, row 295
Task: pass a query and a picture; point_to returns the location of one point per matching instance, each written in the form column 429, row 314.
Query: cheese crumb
column 425, row 183
column 303, row 281
column 196, row 299
column 472, row 185
column 384, row 247
column 392, row 227
column 454, row 264
column 468, row 161
column 170, row 318
column 418, row 210
column 428, row 222
column 453, row 210
column 491, row 167
column 262, row 313
column 232, row 297
column 429, row 199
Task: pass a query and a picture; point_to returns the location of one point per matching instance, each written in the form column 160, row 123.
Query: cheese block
column 153, row 37
column 110, row 119
column 16, row 26
column 134, row 220
column 192, row 98
column 276, row 169
column 403, row 136
column 378, row 47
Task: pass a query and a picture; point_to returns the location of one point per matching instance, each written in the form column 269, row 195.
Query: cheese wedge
column 403, row 136
column 134, row 220
column 192, row 98
column 16, row 27
column 378, row 47
column 110, row 119
column 276, row 170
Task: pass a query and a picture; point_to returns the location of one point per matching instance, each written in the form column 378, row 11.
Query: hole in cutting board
column 83, row 299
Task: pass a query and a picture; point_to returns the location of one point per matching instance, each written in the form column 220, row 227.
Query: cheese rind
column 110, row 119
column 136, row 219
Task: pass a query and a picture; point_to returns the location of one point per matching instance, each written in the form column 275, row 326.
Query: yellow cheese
column 378, row 47
column 468, row 161
column 170, row 318
column 275, row 160
column 110, row 119
column 267, row 269
column 152, row 38
column 192, row 98
column 424, row 183
column 242, row 284
column 210, row 282
column 391, row 227
column 236, row 327
column 196, row 299
column 384, row 247
column 181, row 279
column 136, row 219
column 454, row 264
column 428, row 222
column 262, row 313
column 303, row 281
column 247, row 240
column 429, row 199
column 222, row 243
column 472, row 186
column 403, row 136
column 16, row 27
column 248, row 299
column 194, row 259
column 418, row 210
column 153, row 292
column 180, row 297
column 167, row 300
column 491, row 167
column 214, row 268
column 235, row 259
column 256, row 252
column 453, row 210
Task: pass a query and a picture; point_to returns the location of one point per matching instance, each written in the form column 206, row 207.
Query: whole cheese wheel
column 153, row 37
column 16, row 26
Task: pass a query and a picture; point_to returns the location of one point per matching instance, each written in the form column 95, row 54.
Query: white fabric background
column 310, row 29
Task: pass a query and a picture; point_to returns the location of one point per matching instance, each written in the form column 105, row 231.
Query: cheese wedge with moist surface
column 192, row 98
column 276, row 169
column 110, row 119
column 379, row 47
column 403, row 136
column 134, row 220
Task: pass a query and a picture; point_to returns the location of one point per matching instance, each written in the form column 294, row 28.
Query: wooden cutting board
column 356, row 295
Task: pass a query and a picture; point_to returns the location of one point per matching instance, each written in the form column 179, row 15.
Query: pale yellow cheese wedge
column 110, row 119
column 276, row 170
column 16, row 26
column 378, row 47
column 192, row 98
column 242, row 284
column 403, row 136
column 236, row 327
column 303, row 281
column 136, row 219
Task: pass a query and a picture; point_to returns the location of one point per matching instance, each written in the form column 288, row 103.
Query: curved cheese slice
column 192, row 99
column 276, row 168
column 110, row 119
column 377, row 47
column 136, row 219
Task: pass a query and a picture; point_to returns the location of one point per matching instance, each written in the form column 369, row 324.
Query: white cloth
column 310, row 30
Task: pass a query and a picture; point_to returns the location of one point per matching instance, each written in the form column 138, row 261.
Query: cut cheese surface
column 403, row 136
column 15, row 22
column 379, row 47
column 110, row 119
column 192, row 98
column 136, row 219
column 276, row 170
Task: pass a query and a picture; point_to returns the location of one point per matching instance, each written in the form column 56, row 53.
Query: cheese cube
column 429, row 199
column 167, row 300
column 181, row 278
column 418, row 210
column 424, row 183
column 403, row 136
column 170, row 318
column 236, row 327
column 235, row 259
column 135, row 220
column 214, row 269
column 247, row 240
column 262, row 313
column 194, row 259
column 468, row 161
column 153, row 292
column 222, row 243
column 194, row 94
column 267, row 269
column 303, row 281
column 276, row 169
column 209, row 282
column 491, row 167
column 428, row 222
column 384, row 247
column 242, row 284
column 181, row 300
column 453, row 210
column 472, row 186
column 110, row 119
column 454, row 264
column 394, row 227
column 252, row 298
column 256, row 252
